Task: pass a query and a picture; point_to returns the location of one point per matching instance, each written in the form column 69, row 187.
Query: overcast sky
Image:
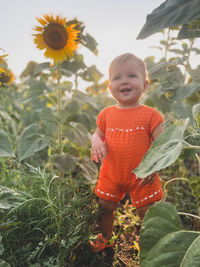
column 114, row 24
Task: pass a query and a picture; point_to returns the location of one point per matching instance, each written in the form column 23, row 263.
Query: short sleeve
column 156, row 119
column 101, row 121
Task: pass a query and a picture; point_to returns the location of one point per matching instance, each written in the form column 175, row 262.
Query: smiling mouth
column 124, row 90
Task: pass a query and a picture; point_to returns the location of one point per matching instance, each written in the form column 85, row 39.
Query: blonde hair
column 120, row 60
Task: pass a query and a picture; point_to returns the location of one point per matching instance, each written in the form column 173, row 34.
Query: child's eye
column 132, row 75
column 116, row 78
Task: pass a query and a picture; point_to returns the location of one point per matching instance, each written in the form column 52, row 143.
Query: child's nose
column 124, row 80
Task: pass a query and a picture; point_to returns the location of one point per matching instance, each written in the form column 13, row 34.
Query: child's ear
column 109, row 87
column 146, row 83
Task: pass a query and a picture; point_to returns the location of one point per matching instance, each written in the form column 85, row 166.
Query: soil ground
column 125, row 252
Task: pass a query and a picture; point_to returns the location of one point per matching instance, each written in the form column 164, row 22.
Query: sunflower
column 7, row 77
column 2, row 62
column 58, row 39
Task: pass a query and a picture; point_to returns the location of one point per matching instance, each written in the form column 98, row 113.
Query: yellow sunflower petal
column 38, row 28
column 41, row 21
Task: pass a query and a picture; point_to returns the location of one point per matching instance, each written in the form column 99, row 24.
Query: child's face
column 127, row 83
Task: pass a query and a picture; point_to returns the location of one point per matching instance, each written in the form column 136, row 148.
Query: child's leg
column 142, row 211
column 105, row 223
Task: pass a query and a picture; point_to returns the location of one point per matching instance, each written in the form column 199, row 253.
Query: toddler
column 124, row 133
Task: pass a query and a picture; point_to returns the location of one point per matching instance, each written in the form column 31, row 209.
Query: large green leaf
column 161, row 69
column 4, row 264
column 72, row 66
column 89, row 42
column 164, row 242
column 41, row 67
column 49, row 121
column 164, row 151
column 196, row 113
column 65, row 163
column 9, row 198
column 89, row 169
column 77, row 133
column 189, row 31
column 80, row 96
column 35, row 91
column 92, row 74
column 181, row 110
column 170, row 14
column 5, row 145
column 31, row 141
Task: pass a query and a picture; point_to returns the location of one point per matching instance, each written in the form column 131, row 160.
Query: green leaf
column 194, row 183
column 9, row 198
column 170, row 14
column 1, row 247
column 80, row 96
column 92, row 74
column 5, row 145
column 78, row 134
column 164, row 242
column 196, row 113
column 49, row 121
column 181, row 110
column 4, row 264
column 41, row 67
column 89, row 42
column 67, row 86
column 31, row 141
column 65, row 163
column 184, row 91
column 160, row 69
column 164, row 151
column 73, row 65
column 189, row 31
column 35, row 91
column 89, row 169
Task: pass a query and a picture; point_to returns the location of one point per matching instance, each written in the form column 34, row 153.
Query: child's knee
column 106, row 206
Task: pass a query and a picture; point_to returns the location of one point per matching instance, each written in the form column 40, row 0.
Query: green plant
column 40, row 225
column 174, row 88
column 164, row 241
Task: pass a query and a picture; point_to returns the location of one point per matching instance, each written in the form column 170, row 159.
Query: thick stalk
column 76, row 81
column 167, row 45
column 59, row 109
column 187, row 66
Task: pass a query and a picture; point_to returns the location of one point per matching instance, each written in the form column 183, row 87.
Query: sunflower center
column 55, row 36
column 4, row 78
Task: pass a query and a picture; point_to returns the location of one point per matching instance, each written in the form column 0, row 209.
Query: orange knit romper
column 127, row 137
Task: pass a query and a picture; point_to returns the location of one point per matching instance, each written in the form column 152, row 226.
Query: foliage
column 40, row 224
column 172, row 14
column 164, row 151
column 164, row 242
column 5, row 146
column 46, row 120
column 174, row 89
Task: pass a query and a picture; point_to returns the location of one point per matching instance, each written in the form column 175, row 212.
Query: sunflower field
column 47, row 204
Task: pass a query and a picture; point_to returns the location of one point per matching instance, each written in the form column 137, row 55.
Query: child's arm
column 151, row 178
column 99, row 150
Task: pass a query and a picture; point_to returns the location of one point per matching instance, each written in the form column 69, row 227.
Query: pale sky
column 114, row 24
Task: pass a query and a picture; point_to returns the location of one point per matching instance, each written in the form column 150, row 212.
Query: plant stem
column 174, row 179
column 191, row 147
column 76, row 81
column 167, row 45
column 187, row 66
column 188, row 214
column 59, row 109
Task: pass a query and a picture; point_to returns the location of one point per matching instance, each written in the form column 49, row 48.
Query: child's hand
column 148, row 180
column 99, row 150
